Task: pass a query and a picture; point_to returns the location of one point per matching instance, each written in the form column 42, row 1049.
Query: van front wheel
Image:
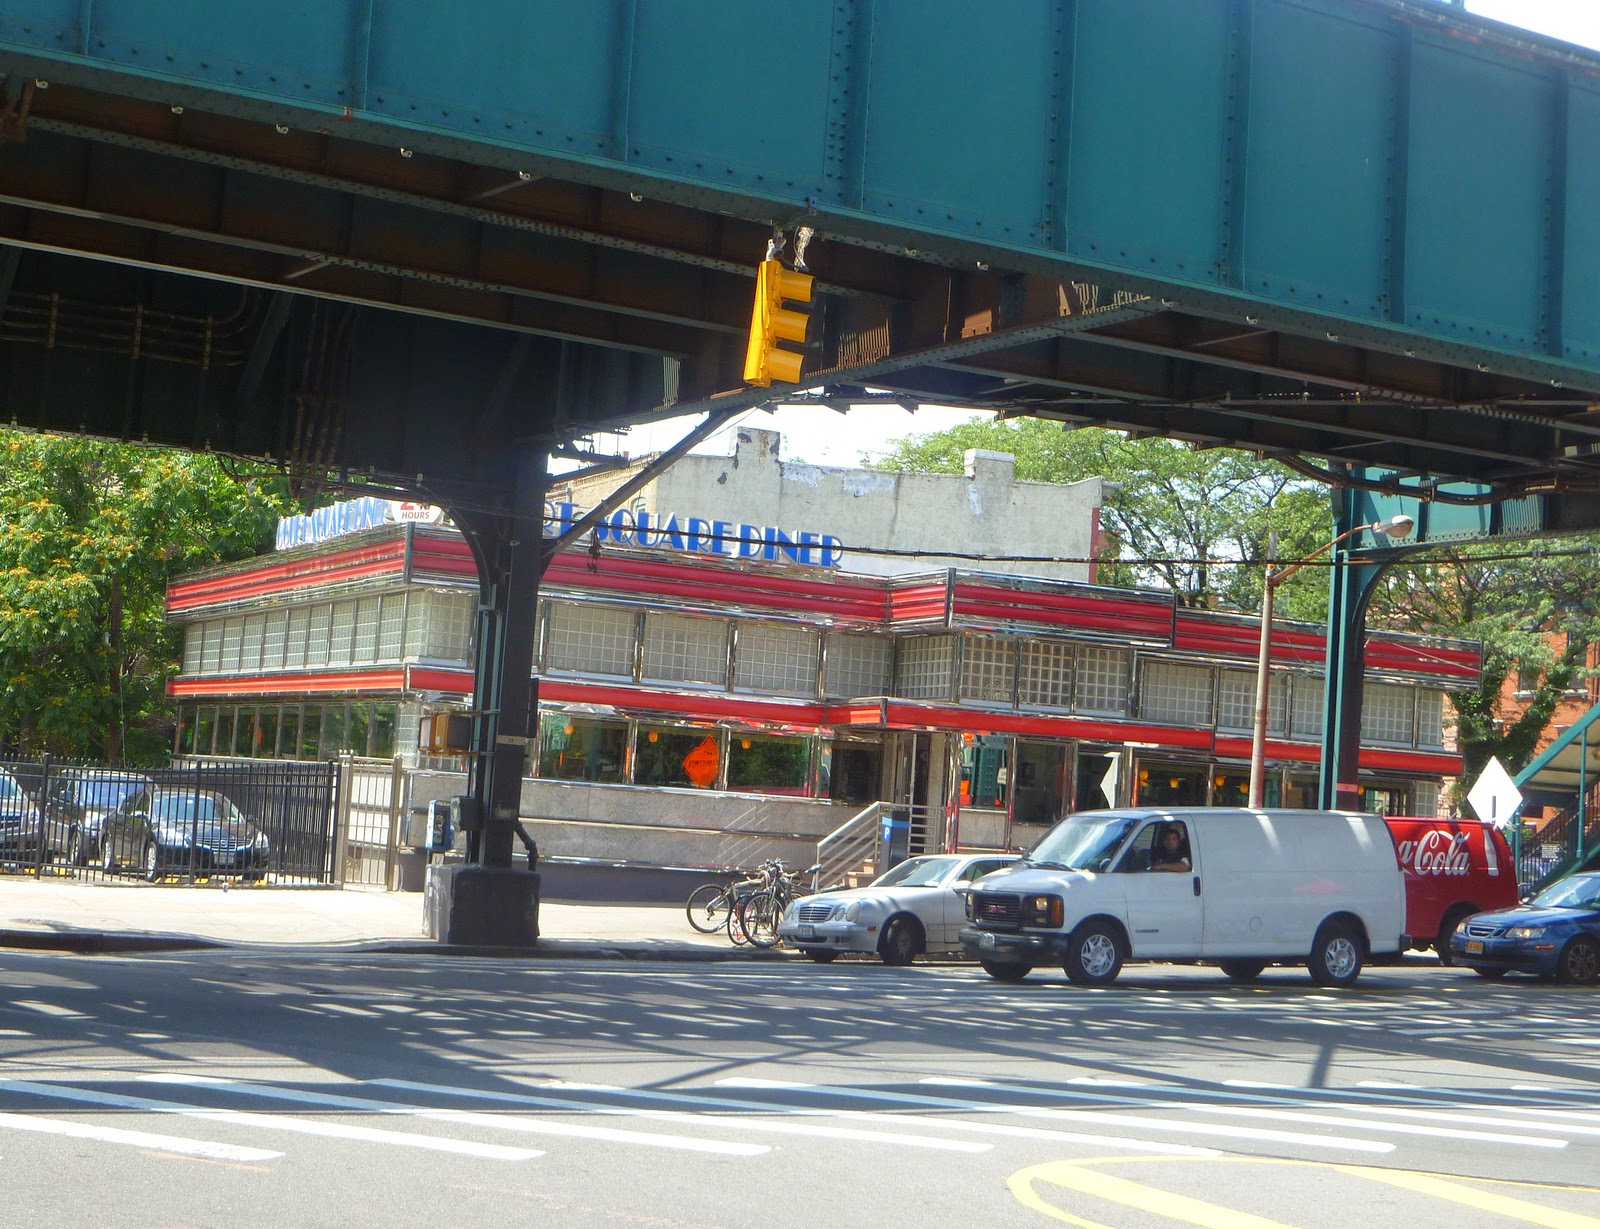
column 1335, row 955
column 1094, row 955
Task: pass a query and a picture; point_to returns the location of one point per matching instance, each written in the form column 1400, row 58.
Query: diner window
column 266, row 744
column 289, row 733
column 193, row 635
column 591, row 639
column 439, row 626
column 666, row 755
column 1103, row 681
column 1306, row 706
column 317, row 634
column 255, row 627
column 244, row 732
column 342, row 638
column 858, row 664
column 988, row 669
column 775, row 657
column 205, row 728
column 311, row 732
column 1236, row 702
column 680, row 649
column 380, row 731
column 211, row 647
column 1176, row 694
column 1046, row 675
column 273, row 639
column 1389, row 715
column 333, row 730
column 358, row 730
column 1430, row 718
column 232, row 639
column 926, row 667
column 392, row 627
column 296, row 639
column 769, row 764
column 368, row 612
column 574, row 748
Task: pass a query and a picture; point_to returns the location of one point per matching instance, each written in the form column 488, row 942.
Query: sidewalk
column 123, row 917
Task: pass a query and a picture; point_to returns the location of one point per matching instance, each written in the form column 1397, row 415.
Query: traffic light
column 772, row 322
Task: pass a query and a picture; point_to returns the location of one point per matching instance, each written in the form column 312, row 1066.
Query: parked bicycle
column 756, row 913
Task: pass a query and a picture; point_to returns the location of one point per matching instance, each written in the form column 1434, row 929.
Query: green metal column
column 1350, row 588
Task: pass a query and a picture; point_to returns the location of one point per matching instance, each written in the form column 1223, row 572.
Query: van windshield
column 1082, row 843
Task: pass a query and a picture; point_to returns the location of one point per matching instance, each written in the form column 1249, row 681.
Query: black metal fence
column 253, row 821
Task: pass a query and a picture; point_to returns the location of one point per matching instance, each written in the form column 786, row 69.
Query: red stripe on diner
column 188, row 595
column 284, row 684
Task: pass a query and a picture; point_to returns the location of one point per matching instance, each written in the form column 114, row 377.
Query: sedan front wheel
column 1580, row 962
column 152, row 862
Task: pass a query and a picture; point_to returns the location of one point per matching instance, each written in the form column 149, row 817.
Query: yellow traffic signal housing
column 772, row 322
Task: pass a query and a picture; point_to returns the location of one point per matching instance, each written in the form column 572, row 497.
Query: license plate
column 1474, row 946
column 806, row 932
column 986, row 942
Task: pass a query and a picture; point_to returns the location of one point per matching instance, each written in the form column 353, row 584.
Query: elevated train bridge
column 421, row 246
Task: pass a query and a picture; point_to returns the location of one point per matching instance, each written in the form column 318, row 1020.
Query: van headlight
column 1041, row 911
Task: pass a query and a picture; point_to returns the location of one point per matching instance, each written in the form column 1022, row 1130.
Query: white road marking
column 740, row 1124
column 272, row 1122
column 1099, row 1118
column 532, row 1126
column 136, row 1139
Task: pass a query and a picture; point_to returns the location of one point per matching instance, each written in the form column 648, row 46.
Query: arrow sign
column 1495, row 796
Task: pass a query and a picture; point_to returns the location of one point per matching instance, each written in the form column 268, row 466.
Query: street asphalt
column 67, row 915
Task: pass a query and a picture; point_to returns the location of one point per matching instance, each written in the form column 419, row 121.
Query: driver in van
column 1171, row 852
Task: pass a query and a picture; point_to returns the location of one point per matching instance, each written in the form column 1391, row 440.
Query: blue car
column 1556, row 934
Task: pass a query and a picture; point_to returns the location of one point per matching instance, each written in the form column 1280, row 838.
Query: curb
column 97, row 942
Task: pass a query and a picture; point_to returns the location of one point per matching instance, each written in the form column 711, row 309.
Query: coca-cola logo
column 1437, row 853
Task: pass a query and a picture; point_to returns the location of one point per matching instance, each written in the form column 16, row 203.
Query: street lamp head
column 1398, row 526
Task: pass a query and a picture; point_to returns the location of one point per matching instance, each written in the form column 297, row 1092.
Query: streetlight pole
column 1397, row 526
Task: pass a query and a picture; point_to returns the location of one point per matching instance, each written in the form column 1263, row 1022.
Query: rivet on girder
column 41, row 84
column 176, row 110
column 283, row 129
column 524, row 176
column 404, row 152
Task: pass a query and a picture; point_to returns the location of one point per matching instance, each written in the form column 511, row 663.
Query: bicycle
column 757, row 913
column 710, row 905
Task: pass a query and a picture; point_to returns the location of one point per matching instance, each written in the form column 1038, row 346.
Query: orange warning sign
column 702, row 763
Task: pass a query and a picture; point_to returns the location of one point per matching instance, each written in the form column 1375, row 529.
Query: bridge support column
column 1350, row 590
column 491, row 901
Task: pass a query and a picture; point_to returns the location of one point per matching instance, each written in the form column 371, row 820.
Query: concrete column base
column 482, row 906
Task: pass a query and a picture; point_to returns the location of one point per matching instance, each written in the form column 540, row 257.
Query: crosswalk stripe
column 1099, row 1118
column 1199, row 1102
column 272, row 1122
column 137, row 1139
column 947, row 1124
column 532, row 1126
column 741, row 1124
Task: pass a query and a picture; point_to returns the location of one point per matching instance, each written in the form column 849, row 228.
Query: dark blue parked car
column 1556, row 934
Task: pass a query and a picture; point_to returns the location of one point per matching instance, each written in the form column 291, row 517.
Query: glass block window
column 297, row 637
column 1425, row 796
column 211, row 647
column 776, row 657
column 1306, row 707
column 1175, row 693
column 1104, row 680
column 391, row 636
column 232, row 639
column 678, row 649
column 317, row 635
column 858, row 664
column 1236, row 702
column 342, row 639
column 988, row 669
column 1389, row 714
column 1046, row 680
column 368, row 610
column 193, row 635
column 450, row 622
column 250, row 648
column 1430, row 722
column 591, row 639
column 274, row 639
column 769, row 764
column 926, row 669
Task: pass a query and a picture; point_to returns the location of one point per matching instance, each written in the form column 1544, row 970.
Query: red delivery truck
column 1453, row 868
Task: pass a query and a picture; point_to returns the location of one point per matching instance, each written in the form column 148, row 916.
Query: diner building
column 724, row 674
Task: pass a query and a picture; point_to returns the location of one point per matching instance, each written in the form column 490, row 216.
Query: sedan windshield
column 916, row 873
column 1081, row 843
column 185, row 807
column 1577, row 892
column 106, row 793
column 10, row 791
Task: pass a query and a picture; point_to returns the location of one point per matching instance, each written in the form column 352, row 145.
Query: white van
column 1243, row 888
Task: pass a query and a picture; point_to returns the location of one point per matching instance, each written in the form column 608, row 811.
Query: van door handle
column 1197, row 885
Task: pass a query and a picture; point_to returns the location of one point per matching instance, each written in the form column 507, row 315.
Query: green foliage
column 1195, row 521
column 90, row 533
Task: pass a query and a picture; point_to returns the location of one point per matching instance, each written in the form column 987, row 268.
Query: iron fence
column 192, row 821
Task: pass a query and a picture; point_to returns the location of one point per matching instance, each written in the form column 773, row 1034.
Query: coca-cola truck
column 1453, row 868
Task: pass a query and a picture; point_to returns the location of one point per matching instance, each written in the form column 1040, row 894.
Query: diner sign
column 693, row 535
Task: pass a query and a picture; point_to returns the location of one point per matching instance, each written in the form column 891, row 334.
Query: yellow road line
column 1183, row 1208
column 1484, row 1201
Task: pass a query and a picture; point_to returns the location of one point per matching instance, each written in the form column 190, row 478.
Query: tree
column 90, row 535
column 1195, row 521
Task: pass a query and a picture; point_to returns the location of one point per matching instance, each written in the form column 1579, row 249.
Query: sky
column 823, row 436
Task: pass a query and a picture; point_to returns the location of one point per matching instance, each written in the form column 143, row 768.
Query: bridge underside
column 205, row 280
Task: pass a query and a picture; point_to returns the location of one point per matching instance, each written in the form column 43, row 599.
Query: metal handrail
column 854, row 847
